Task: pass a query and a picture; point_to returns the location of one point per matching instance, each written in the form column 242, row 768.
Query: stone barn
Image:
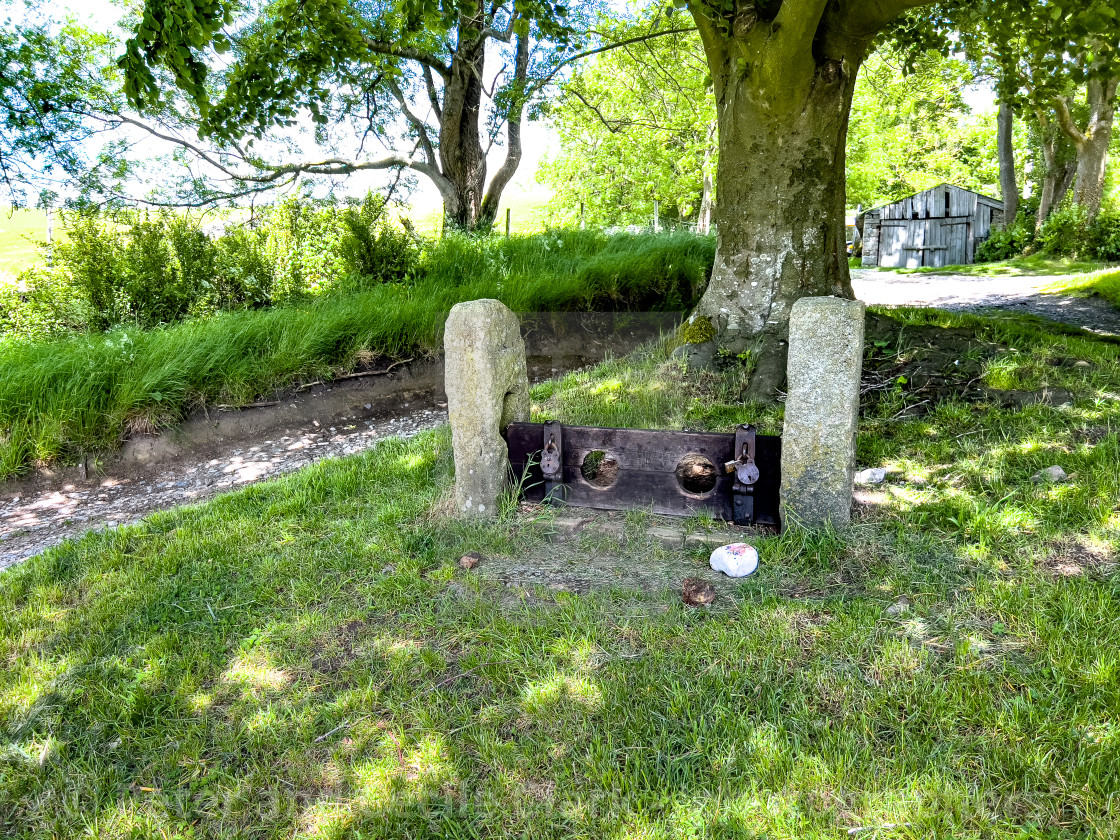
column 938, row 227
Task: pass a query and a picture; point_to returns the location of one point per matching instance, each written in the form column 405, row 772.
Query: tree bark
column 462, row 159
column 783, row 119
column 1092, row 143
column 1092, row 156
column 1008, row 184
column 1054, row 173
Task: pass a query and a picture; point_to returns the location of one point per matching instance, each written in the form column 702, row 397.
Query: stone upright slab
column 487, row 388
column 822, row 411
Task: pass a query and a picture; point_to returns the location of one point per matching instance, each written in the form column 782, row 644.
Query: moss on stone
column 699, row 330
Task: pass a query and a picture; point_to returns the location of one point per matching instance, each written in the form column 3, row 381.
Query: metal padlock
column 746, row 471
column 550, row 458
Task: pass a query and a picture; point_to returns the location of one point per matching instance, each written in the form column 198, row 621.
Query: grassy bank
column 305, row 658
column 1105, row 284
column 60, row 398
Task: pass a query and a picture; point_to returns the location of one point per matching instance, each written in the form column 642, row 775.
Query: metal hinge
column 552, row 462
column 746, row 474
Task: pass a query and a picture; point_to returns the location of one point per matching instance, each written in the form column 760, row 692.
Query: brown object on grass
column 697, row 593
column 470, row 560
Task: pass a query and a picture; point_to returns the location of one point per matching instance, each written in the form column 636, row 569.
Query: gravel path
column 45, row 511
column 963, row 293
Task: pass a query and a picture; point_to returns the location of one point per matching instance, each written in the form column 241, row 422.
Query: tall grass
column 62, row 398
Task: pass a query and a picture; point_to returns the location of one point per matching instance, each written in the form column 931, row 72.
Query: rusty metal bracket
column 746, row 475
column 552, row 461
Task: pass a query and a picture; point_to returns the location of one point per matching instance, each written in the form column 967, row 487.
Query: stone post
column 822, row 411
column 487, row 388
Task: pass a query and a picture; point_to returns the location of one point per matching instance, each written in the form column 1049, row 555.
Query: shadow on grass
column 304, row 658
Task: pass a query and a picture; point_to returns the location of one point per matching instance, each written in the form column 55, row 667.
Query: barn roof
column 994, row 202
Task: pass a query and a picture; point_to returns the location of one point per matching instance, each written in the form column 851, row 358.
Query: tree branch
column 264, row 176
column 587, row 53
column 426, row 59
column 613, row 128
column 513, row 130
column 417, row 123
column 1066, row 123
column 433, row 94
column 504, row 35
column 867, row 19
column 796, row 24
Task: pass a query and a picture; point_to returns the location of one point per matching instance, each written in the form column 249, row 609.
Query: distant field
column 19, row 231
column 528, row 213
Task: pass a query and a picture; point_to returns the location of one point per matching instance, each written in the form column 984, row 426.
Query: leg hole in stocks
column 599, row 469
column 696, row 474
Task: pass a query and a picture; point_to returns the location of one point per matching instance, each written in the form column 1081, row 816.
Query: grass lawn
column 1033, row 265
column 1105, row 283
column 20, row 230
column 304, row 658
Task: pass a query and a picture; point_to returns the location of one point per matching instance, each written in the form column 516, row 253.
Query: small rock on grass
column 697, row 592
column 1052, row 475
column 470, row 560
column 902, row 605
column 872, row 475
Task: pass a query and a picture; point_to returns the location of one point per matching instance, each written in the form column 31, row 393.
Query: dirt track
column 963, row 293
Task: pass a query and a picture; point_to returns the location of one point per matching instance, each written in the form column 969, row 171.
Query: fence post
column 507, row 223
column 582, row 217
column 656, row 216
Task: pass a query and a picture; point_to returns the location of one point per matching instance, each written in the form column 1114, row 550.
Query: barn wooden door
column 957, row 233
column 892, row 243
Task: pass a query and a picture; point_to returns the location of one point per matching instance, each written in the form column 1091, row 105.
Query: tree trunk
column 1092, row 143
column 783, row 123
column 462, row 158
column 1092, row 153
column 1063, row 181
column 704, row 220
column 1048, row 195
column 1008, row 184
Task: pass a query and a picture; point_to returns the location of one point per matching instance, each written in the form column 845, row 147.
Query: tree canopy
column 635, row 124
column 1056, row 59
column 46, row 89
column 399, row 74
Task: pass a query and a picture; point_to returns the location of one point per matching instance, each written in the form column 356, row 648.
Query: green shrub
column 244, row 275
column 1008, row 242
column 92, row 258
column 372, row 249
column 50, row 307
column 302, row 238
column 1102, row 239
column 142, row 269
column 1063, row 233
